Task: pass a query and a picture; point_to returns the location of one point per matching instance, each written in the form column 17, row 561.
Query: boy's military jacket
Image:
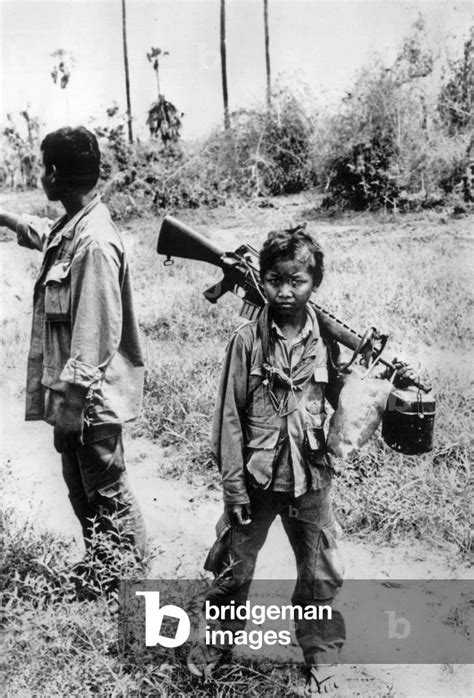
column 255, row 418
column 84, row 328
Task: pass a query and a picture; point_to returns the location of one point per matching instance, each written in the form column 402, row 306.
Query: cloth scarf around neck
column 283, row 386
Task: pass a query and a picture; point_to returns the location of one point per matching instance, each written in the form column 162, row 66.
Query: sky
column 320, row 43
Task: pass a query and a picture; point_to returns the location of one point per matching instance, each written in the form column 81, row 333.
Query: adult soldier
column 85, row 364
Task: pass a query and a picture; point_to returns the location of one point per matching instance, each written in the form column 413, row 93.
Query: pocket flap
column 58, row 272
column 259, row 436
column 321, row 374
column 256, row 371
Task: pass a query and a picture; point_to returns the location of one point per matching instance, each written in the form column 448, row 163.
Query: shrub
column 20, row 163
column 361, row 179
column 414, row 138
column 264, row 153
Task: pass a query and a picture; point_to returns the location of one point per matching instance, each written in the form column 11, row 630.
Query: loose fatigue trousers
column 98, row 486
column 312, row 531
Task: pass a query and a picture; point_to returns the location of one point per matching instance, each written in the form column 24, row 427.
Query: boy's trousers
column 312, row 531
column 98, row 486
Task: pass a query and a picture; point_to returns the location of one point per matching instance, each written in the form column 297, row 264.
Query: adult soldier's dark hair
column 75, row 154
column 292, row 243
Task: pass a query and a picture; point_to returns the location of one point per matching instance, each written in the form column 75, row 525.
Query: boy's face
column 288, row 285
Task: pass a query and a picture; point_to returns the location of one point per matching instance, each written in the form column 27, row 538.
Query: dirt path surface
column 181, row 519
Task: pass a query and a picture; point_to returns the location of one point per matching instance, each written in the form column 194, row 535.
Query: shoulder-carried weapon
column 241, row 277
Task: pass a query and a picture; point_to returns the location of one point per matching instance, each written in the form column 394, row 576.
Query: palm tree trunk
column 267, row 54
column 127, row 76
column 225, row 94
column 158, row 90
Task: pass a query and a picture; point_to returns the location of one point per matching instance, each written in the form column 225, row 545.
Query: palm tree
column 164, row 119
column 267, row 54
column 224, row 69
column 154, row 58
column 127, row 75
column 61, row 72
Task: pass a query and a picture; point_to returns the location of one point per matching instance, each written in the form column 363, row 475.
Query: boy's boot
column 322, row 679
column 204, row 659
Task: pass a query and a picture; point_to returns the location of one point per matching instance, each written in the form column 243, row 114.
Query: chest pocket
column 256, row 398
column 57, row 297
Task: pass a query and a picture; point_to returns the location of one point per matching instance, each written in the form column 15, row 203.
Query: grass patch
column 56, row 645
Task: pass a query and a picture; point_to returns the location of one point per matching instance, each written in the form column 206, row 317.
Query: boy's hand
column 70, row 422
column 239, row 514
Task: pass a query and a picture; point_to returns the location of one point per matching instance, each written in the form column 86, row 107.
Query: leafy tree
column 455, row 102
column 115, row 149
column 415, row 59
column 19, row 154
column 386, row 144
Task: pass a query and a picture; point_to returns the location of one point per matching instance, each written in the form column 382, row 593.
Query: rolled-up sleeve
column 229, row 415
column 96, row 313
column 33, row 231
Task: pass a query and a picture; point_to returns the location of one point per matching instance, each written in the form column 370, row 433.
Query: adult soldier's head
column 71, row 161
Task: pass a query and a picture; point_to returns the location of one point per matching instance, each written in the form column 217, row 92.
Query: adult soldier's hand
column 8, row 219
column 239, row 514
column 70, row 421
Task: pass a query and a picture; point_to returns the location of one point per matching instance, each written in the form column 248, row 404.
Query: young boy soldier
column 85, row 365
column 269, row 444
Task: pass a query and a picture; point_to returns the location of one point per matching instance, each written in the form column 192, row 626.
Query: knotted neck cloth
column 282, row 384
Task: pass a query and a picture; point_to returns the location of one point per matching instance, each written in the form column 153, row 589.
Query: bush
column 20, row 163
column 397, row 141
column 55, row 645
column 264, row 153
column 362, row 180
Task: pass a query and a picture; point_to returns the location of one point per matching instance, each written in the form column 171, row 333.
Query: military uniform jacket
column 249, row 426
column 84, row 328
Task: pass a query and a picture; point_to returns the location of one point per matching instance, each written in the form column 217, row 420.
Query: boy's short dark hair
column 288, row 243
column 75, row 154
